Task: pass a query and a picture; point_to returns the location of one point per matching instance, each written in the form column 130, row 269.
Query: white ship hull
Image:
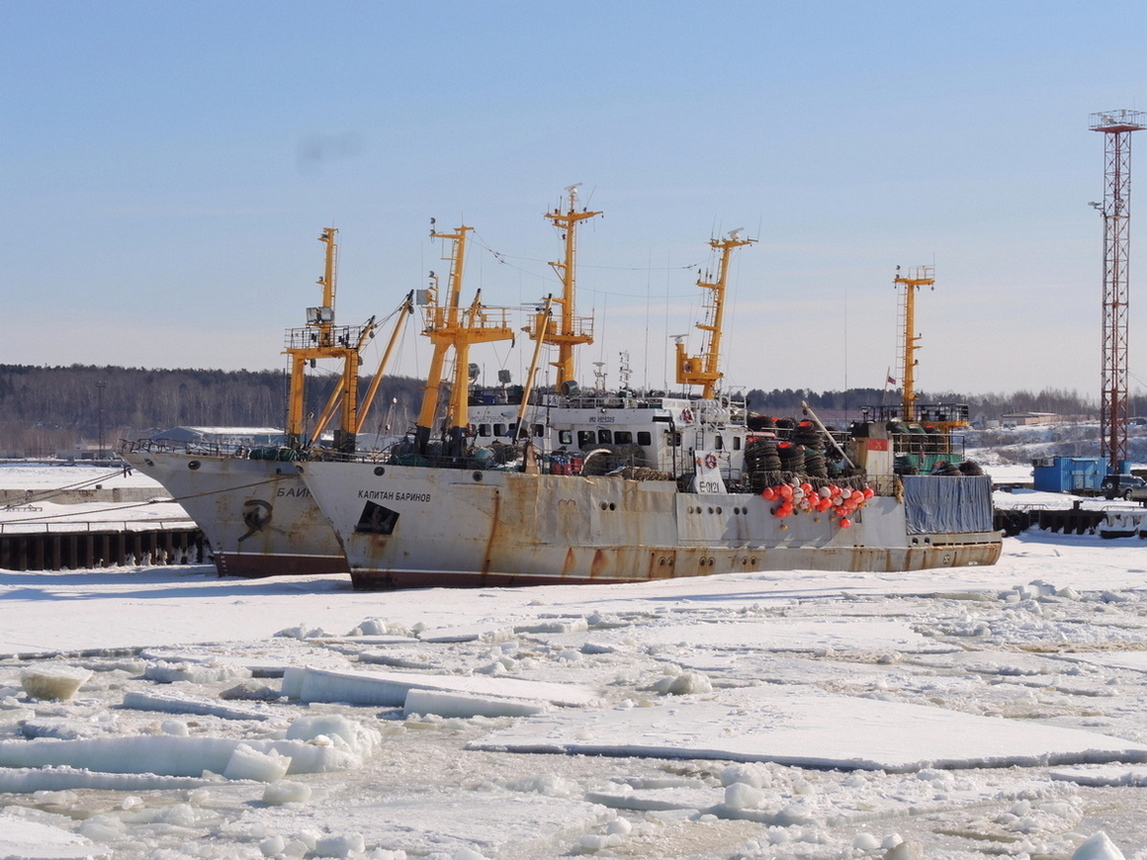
column 257, row 515
column 407, row 526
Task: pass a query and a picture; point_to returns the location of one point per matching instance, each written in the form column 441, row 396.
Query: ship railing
column 951, row 445
column 186, row 446
column 338, row 337
column 576, row 327
column 437, row 318
column 950, row 414
column 84, row 526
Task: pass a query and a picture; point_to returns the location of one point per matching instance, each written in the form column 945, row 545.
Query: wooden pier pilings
column 73, row 550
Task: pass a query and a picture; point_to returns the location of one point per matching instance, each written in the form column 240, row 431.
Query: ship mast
column 703, row 369
column 568, row 330
column 322, row 339
column 920, row 276
column 448, row 326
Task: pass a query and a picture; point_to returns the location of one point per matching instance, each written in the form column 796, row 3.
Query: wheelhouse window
column 500, row 430
column 483, row 429
column 604, row 437
column 623, row 437
column 644, row 438
column 565, row 437
column 586, row 438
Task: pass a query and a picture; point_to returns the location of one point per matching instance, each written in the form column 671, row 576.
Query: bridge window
column 604, row 437
column 644, row 438
column 623, row 437
column 483, row 429
column 586, row 438
column 565, row 437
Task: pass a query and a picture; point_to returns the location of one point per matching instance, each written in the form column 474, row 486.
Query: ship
column 255, row 511
column 560, row 485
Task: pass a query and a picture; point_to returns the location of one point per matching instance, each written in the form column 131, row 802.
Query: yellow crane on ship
column 321, row 338
column 703, row 369
column 453, row 327
column 565, row 329
column 943, row 416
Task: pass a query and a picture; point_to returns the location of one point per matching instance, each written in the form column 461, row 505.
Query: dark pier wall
column 78, row 550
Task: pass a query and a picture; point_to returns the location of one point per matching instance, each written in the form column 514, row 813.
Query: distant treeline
column 45, row 410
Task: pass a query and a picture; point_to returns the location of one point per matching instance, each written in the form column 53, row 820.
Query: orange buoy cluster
column 839, row 502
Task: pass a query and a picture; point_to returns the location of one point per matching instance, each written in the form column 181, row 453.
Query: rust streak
column 494, row 521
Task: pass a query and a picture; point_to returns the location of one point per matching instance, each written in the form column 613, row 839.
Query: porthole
column 477, row 476
column 380, row 470
column 613, row 506
column 193, row 465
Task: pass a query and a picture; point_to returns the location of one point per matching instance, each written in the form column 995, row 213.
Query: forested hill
column 44, row 410
column 48, row 409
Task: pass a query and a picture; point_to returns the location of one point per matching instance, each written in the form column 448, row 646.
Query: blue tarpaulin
column 936, row 504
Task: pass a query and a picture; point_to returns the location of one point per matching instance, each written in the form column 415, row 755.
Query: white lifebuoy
column 710, row 461
column 687, row 415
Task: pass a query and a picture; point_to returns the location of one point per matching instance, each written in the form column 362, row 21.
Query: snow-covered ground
column 45, row 486
column 960, row 713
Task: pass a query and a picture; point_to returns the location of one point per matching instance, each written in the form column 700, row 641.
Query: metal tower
column 919, row 276
column 1116, row 127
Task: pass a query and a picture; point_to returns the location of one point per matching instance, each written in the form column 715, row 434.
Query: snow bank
column 195, row 673
column 53, row 680
column 804, row 727
column 249, row 763
column 23, row 780
column 21, row 838
column 174, row 703
column 308, row 750
column 467, row 705
column 389, row 689
column 1098, row 847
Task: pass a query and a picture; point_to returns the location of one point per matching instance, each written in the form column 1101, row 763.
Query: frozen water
column 960, row 714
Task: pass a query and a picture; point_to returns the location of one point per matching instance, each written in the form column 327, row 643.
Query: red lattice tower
column 1116, row 126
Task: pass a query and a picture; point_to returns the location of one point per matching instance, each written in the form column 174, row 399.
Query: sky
column 168, row 167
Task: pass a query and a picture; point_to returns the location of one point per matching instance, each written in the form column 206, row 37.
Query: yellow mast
column 336, row 398
column 321, row 339
column 703, row 369
column 449, row 327
column 920, row 276
column 568, row 330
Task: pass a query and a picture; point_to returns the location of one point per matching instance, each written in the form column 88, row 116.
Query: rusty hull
column 258, row 515
column 456, row 527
